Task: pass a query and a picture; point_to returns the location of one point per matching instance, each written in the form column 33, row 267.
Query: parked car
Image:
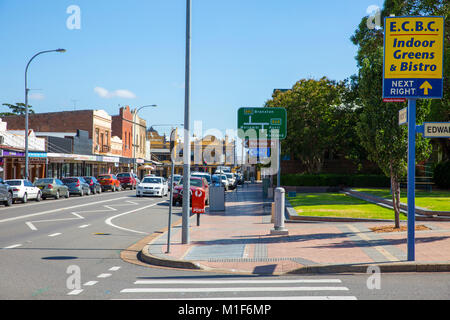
column 205, row 175
column 24, row 190
column 224, row 180
column 109, row 182
column 127, row 180
column 195, row 183
column 77, row 185
column 231, row 180
column 94, row 185
column 173, row 181
column 52, row 188
column 152, row 186
column 6, row 193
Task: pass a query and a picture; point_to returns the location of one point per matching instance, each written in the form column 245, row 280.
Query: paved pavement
column 239, row 241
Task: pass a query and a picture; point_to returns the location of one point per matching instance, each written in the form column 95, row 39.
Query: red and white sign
column 198, row 201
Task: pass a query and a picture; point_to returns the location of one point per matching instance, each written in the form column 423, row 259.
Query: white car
column 24, row 190
column 231, row 179
column 152, row 186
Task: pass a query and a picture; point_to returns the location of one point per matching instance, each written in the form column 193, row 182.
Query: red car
column 127, row 180
column 196, row 183
column 109, row 182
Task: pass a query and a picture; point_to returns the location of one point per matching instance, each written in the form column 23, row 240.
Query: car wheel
column 67, row 194
column 113, row 189
column 25, row 198
column 9, row 199
column 38, row 197
column 57, row 195
column 81, row 193
column 88, row 192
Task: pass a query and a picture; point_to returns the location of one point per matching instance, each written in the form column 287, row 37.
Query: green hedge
column 335, row 180
column 441, row 175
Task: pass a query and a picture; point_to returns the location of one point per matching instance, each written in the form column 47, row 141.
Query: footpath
column 238, row 240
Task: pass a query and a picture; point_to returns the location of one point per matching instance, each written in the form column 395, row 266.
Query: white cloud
column 36, row 96
column 120, row 93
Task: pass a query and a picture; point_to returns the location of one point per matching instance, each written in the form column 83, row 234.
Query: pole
column 279, row 165
column 170, row 205
column 411, row 177
column 187, row 146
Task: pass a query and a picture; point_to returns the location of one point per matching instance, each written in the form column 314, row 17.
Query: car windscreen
column 229, row 175
column 104, row 177
column 206, row 176
column 69, row 180
column 123, row 175
column 14, row 182
column 196, row 182
column 44, row 181
column 151, row 180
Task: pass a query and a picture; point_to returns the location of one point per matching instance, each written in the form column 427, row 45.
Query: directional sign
column 413, row 57
column 436, row 130
column 269, row 119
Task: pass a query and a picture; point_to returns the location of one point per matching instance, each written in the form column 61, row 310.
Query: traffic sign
column 436, row 130
column 413, row 57
column 259, row 152
column 269, row 119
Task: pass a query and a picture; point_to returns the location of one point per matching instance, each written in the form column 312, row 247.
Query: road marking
column 114, row 268
column 32, row 227
column 108, row 221
column 90, row 283
column 84, row 226
column 104, row 275
column 264, row 298
column 13, row 246
column 55, row 234
column 75, row 292
column 231, row 289
column 380, row 249
column 237, row 281
column 59, row 209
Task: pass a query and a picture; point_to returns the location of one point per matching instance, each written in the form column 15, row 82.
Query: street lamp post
column 26, row 105
column 134, row 130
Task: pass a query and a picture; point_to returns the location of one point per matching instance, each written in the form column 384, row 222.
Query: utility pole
column 187, row 145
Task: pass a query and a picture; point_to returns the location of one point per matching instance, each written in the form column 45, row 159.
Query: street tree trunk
column 395, row 192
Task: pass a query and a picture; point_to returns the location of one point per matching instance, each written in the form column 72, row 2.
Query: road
column 70, row 249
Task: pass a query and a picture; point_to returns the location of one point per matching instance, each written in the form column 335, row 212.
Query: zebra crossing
column 238, row 289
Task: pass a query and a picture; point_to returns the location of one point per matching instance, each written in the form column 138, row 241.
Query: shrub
column 441, row 175
column 335, row 180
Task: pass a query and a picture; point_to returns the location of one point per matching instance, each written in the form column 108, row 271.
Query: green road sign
column 263, row 119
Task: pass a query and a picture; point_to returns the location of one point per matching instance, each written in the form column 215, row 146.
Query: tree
column 16, row 109
column 378, row 129
column 316, row 120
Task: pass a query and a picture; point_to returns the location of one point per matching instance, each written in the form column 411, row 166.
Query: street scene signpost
column 273, row 120
column 413, row 69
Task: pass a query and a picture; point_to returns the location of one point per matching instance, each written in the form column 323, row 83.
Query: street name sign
column 263, row 119
column 436, row 130
column 413, row 57
column 403, row 116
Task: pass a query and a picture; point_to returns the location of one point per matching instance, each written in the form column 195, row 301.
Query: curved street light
column 26, row 104
column 135, row 112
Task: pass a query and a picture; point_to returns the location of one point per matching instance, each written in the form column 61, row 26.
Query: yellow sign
column 414, row 47
column 413, row 57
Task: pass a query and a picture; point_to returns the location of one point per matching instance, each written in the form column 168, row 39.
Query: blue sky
column 241, row 51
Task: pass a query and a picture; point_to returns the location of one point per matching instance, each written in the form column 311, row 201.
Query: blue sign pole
column 411, row 177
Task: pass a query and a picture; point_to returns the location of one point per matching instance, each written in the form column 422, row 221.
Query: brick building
column 122, row 126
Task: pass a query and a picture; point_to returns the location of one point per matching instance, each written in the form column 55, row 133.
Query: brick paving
column 239, row 240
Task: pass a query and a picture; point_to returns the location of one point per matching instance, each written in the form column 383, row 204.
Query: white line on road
column 13, row 246
column 55, row 234
column 84, row 226
column 75, row 292
column 237, row 281
column 90, row 283
column 104, row 275
column 108, row 221
column 265, row 298
column 231, row 289
column 114, row 268
column 32, row 227
column 59, row 209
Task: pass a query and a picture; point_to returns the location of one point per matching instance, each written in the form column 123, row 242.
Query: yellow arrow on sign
column 426, row 86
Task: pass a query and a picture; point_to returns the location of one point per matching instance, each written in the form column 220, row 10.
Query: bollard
column 279, row 228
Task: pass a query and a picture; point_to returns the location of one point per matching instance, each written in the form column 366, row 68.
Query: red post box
column 198, row 201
